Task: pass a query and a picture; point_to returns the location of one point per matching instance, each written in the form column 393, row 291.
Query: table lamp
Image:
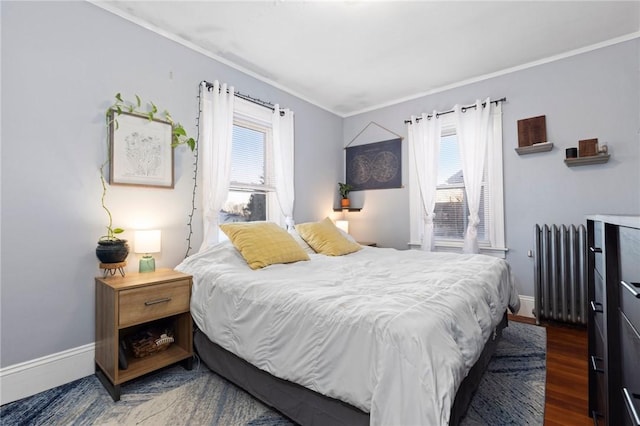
column 343, row 224
column 147, row 242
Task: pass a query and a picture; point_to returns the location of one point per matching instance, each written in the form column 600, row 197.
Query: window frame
column 495, row 243
column 255, row 117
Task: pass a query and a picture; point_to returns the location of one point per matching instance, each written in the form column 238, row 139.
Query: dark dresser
column 614, row 319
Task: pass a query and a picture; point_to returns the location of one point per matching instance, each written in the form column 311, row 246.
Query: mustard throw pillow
column 325, row 238
column 263, row 243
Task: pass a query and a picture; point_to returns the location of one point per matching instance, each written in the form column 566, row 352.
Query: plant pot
column 112, row 251
column 344, row 203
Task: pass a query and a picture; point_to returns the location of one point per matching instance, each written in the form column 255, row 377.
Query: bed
column 377, row 336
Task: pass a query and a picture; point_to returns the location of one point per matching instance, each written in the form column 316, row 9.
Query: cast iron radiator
column 560, row 273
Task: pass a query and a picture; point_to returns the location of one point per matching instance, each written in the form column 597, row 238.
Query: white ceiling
column 354, row 56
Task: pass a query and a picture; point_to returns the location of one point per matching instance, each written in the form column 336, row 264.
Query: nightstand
column 368, row 243
column 135, row 302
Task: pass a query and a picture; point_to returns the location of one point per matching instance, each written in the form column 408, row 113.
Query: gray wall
column 591, row 95
column 62, row 63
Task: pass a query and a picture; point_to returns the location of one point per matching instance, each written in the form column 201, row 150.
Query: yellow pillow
column 325, row 238
column 263, row 243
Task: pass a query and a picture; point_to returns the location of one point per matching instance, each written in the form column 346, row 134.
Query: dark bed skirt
column 307, row 407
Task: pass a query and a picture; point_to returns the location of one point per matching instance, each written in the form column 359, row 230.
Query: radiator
column 560, row 273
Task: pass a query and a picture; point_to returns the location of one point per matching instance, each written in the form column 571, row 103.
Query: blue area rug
column 510, row 393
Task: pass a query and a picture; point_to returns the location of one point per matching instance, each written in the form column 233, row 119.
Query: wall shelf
column 585, row 161
column 351, row 209
column 536, row 147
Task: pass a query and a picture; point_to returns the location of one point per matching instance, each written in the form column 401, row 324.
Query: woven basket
column 150, row 341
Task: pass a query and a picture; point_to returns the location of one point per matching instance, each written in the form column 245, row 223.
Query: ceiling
column 352, row 56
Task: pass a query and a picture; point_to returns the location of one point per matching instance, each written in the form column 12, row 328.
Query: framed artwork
column 532, row 131
column 375, row 166
column 141, row 152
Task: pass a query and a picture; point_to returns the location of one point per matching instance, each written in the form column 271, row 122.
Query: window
column 451, row 210
column 251, row 191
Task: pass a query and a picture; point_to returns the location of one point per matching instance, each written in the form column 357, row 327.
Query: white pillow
column 306, row 247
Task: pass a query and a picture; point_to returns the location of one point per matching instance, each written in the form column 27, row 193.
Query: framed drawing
column 375, row 166
column 141, row 152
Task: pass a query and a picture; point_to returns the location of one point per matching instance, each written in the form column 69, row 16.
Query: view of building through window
column 247, row 200
column 451, row 210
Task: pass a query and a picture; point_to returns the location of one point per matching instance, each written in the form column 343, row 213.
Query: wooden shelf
column 139, row 366
column 351, row 209
column 585, row 161
column 537, row 147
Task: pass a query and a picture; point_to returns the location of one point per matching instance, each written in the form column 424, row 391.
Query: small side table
column 368, row 243
column 126, row 305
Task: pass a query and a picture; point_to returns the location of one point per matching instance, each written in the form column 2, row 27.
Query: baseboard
column 31, row 377
column 527, row 304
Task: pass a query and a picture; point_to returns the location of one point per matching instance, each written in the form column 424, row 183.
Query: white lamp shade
column 343, row 224
column 147, row 241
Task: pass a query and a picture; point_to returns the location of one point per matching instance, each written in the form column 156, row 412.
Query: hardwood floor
column 566, row 399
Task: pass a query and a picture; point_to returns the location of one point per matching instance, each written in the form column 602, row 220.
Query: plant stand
column 112, row 268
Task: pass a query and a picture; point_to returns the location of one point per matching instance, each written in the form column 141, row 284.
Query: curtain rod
column 464, row 108
column 247, row 98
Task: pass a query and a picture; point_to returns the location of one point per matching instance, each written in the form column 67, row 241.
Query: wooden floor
column 566, row 399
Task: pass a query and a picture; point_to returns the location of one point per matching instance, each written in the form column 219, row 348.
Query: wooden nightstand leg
column 114, row 390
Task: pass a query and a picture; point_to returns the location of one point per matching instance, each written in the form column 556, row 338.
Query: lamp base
column 147, row 264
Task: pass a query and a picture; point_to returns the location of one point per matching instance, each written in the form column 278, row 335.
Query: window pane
column 449, row 165
column 452, row 214
column 247, row 156
column 243, row 206
column 452, row 211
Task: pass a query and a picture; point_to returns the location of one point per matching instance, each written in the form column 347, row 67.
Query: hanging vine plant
column 178, row 137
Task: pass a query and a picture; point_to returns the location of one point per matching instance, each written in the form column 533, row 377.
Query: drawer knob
column 631, row 288
column 595, row 249
column 596, row 307
column 156, row 301
column 628, row 399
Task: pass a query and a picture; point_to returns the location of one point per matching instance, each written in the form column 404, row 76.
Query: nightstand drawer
column 147, row 303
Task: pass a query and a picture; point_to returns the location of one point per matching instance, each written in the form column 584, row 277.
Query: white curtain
column 473, row 130
column 216, row 136
column 424, row 148
column 283, row 156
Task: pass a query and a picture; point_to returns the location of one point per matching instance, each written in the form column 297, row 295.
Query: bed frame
column 310, row 408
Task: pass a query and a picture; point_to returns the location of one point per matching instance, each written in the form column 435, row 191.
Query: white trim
column 495, row 176
column 144, row 24
column 505, row 71
column 31, row 377
column 456, row 247
column 527, row 304
column 173, row 37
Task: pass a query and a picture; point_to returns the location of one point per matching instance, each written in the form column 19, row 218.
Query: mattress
column 392, row 333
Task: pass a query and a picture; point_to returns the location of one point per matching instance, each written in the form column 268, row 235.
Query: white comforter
column 390, row 332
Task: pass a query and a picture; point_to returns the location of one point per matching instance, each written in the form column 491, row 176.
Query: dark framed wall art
column 375, row 166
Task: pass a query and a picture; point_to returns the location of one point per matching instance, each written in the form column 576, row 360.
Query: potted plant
column 344, row 189
column 112, row 249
